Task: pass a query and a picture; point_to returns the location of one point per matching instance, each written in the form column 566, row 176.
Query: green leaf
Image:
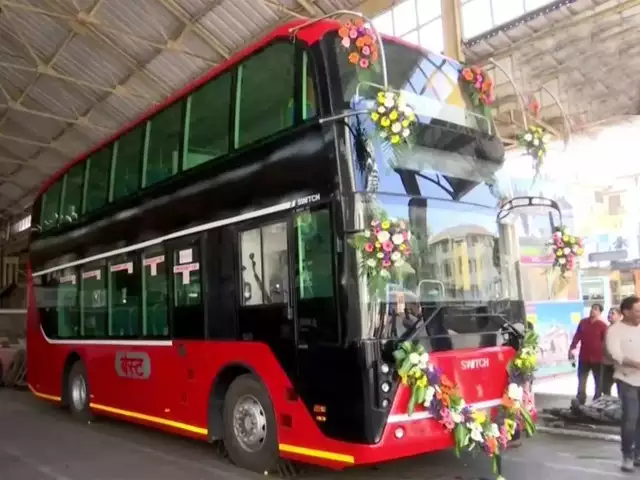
column 399, row 355
column 421, row 394
column 412, row 401
column 460, row 434
column 405, row 367
column 495, row 465
column 407, row 347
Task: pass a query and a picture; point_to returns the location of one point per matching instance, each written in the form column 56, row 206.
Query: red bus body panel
column 175, row 396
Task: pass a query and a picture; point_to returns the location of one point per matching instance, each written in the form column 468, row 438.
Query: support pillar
column 452, row 29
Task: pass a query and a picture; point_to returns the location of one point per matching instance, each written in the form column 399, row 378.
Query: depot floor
column 40, row 442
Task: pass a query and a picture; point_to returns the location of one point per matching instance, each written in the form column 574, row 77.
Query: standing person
column 606, row 376
column 623, row 345
column 590, row 334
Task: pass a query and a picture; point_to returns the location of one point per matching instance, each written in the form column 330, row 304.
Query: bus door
column 187, row 321
column 265, row 312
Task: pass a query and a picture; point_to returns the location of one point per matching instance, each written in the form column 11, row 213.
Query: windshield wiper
column 410, row 334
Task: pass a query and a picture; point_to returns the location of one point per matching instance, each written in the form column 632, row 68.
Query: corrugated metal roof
column 585, row 53
column 73, row 71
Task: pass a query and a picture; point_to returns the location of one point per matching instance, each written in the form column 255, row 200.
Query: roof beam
column 83, row 121
column 82, row 20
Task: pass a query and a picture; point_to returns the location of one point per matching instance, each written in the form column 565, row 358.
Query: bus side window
column 309, row 98
column 68, row 308
column 94, row 306
column 187, row 292
column 316, row 302
column 155, row 293
column 124, row 296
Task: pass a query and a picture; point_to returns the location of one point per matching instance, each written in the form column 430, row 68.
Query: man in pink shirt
column 590, row 335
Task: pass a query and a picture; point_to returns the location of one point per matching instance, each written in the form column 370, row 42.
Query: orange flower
column 492, row 444
column 374, row 55
column 487, row 85
column 445, row 382
column 360, row 42
column 467, row 75
column 367, row 40
column 359, row 22
column 343, row 32
column 354, row 58
column 507, row 402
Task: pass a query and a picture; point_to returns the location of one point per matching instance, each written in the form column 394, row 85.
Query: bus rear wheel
column 249, row 425
column 78, row 393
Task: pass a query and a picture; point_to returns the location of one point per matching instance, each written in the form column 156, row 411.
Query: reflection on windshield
column 414, row 251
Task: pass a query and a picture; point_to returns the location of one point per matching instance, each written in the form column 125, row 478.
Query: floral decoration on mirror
column 361, row 42
column 478, row 85
column 393, row 118
column 535, row 140
column 472, row 429
column 566, row 249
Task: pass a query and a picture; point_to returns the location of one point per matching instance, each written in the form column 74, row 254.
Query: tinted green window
column 309, row 102
column 95, row 311
column 155, row 292
column 266, row 85
column 125, row 290
column 98, row 174
column 67, row 304
column 72, row 194
column 164, row 145
column 49, row 212
column 207, row 134
column 128, row 162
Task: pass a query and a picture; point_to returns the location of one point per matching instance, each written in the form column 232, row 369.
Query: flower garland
column 478, row 85
column 472, row 429
column 535, row 140
column 393, row 118
column 566, row 249
column 360, row 41
column 385, row 247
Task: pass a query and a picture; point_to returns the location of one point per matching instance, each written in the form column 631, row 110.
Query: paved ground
column 40, row 442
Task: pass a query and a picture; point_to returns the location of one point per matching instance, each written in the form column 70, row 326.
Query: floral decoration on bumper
column 479, row 86
column 566, row 250
column 472, row 429
column 360, row 40
column 535, row 140
column 385, row 247
column 393, row 118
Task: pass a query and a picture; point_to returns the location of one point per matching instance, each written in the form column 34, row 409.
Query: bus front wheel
column 78, row 393
column 249, row 425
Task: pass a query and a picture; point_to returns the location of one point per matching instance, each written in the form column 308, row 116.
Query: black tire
column 249, row 390
column 79, row 405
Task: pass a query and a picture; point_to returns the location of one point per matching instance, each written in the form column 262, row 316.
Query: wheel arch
column 73, row 358
column 217, row 392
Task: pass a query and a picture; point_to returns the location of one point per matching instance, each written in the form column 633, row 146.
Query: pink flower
column 445, row 414
column 386, row 263
column 346, row 42
column 387, row 246
column 449, row 424
column 369, row 247
column 557, row 235
column 377, row 230
column 364, row 63
column 405, row 235
column 366, row 50
column 353, row 33
column 375, row 223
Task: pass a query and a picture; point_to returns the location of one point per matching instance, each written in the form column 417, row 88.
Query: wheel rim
column 79, row 392
column 249, row 423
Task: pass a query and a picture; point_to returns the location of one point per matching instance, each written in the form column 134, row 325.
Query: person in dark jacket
column 590, row 335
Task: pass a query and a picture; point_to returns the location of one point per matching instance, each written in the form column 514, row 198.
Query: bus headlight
column 384, row 368
column 385, row 387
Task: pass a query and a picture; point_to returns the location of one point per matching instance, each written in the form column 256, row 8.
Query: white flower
column 536, row 142
column 476, row 432
column 399, row 262
column 371, row 262
column 383, row 236
column 562, row 261
column 414, row 358
column 396, row 127
column 495, row 430
column 456, row 417
column 402, row 104
column 395, row 256
column 424, row 360
column 528, row 137
column 397, row 239
column 389, row 102
column 381, row 109
column 515, row 392
column 567, row 250
column 429, row 394
column 406, row 132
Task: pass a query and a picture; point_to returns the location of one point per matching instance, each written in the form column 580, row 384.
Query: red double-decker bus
column 195, row 272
